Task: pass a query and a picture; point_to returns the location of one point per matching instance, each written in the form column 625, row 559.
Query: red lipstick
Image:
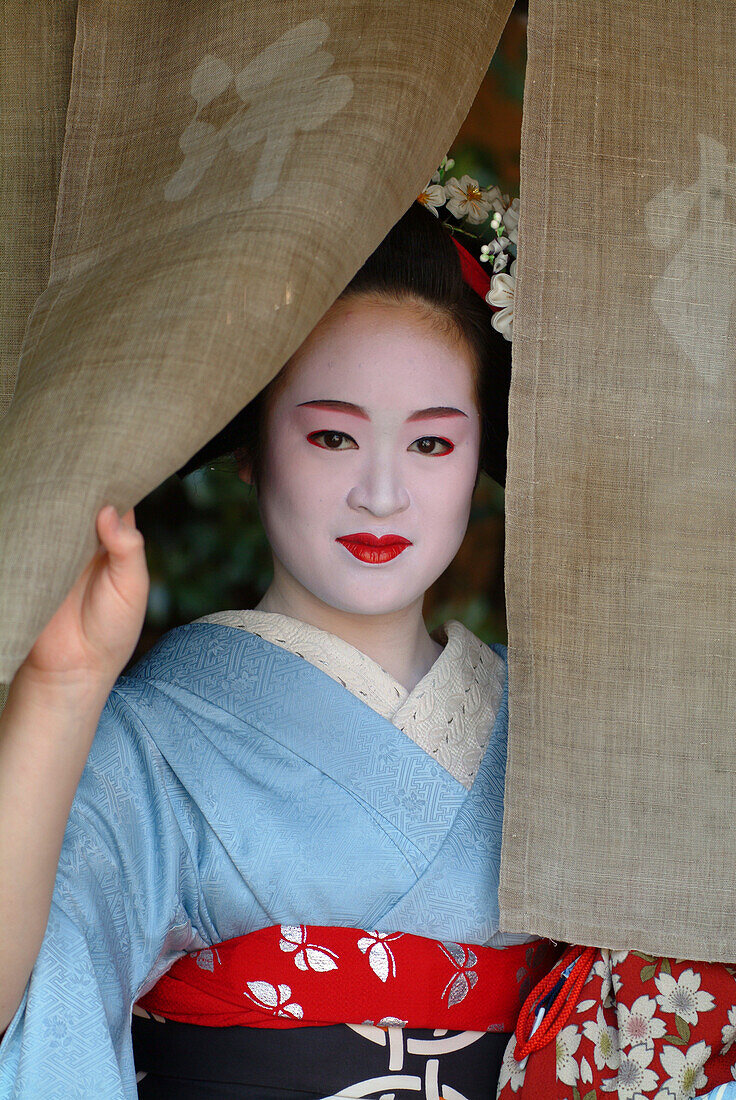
column 373, row 550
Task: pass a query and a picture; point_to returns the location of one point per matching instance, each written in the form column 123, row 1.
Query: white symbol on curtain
column 279, row 92
column 694, row 296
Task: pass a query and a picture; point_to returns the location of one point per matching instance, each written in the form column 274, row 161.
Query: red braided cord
column 526, row 1017
column 558, row 1014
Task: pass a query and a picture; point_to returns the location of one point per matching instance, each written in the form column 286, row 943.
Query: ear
column 245, row 466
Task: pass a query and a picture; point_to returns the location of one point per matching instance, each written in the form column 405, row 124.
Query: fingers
column 125, row 563
column 117, row 534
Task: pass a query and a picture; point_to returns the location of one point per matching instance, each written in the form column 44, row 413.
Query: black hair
column 417, row 260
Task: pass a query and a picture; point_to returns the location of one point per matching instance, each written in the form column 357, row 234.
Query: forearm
column 45, row 738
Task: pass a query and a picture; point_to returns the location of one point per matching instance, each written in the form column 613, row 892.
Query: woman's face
column 370, row 457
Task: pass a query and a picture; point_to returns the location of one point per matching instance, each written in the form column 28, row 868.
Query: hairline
column 437, row 317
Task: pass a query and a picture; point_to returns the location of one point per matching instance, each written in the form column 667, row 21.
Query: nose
column 380, row 490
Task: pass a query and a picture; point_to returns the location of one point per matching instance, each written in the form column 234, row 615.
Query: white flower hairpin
column 493, row 215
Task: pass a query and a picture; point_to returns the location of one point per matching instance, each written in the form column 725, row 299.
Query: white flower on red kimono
column 683, row 997
column 614, row 958
column 605, row 1041
column 512, row 1072
column 586, row 1073
column 638, row 1024
column 601, row 969
column 634, row 1076
column 728, row 1031
column 567, row 1043
column 205, row 959
column 309, row 956
column 686, row 1076
column 274, row 999
column 380, row 956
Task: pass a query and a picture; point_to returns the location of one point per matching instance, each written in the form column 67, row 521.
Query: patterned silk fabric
column 187, row 1062
column 237, row 1011
column 298, row 975
column 232, row 786
column 643, row 1028
column 448, row 713
column 293, row 975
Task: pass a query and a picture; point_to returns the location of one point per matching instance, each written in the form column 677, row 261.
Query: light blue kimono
column 231, row 786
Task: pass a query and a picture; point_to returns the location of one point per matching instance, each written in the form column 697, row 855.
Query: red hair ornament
column 499, row 299
column 473, row 274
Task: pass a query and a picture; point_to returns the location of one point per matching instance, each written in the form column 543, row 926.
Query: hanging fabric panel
column 227, row 167
column 36, row 47
column 621, row 494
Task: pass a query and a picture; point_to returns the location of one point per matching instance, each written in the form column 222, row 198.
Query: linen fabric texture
column 36, row 49
column 620, row 502
column 205, row 148
column 178, row 286
column 232, row 786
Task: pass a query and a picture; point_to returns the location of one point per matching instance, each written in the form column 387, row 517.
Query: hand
column 94, row 632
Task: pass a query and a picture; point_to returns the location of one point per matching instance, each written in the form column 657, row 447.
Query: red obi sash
column 307, row 975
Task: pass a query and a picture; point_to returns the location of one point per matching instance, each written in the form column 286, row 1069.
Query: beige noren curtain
column 621, row 496
column 205, row 146
column 36, row 45
column 226, row 169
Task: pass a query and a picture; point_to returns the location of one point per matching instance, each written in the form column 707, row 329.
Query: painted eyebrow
column 436, row 412
column 341, row 406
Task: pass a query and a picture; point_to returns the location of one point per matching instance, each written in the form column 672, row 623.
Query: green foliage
column 509, row 70
column 205, row 547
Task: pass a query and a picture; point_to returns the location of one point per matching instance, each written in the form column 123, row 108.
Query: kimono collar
column 450, row 712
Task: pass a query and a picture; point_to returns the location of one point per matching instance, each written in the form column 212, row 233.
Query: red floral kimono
column 632, row 1025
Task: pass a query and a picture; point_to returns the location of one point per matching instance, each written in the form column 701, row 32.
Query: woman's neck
column 399, row 641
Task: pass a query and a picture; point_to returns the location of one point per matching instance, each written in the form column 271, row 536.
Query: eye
column 432, row 445
column 332, row 441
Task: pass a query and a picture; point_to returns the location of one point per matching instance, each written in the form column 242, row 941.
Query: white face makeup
column 370, row 458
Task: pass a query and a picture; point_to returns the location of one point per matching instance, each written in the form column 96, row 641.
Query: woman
column 318, row 765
